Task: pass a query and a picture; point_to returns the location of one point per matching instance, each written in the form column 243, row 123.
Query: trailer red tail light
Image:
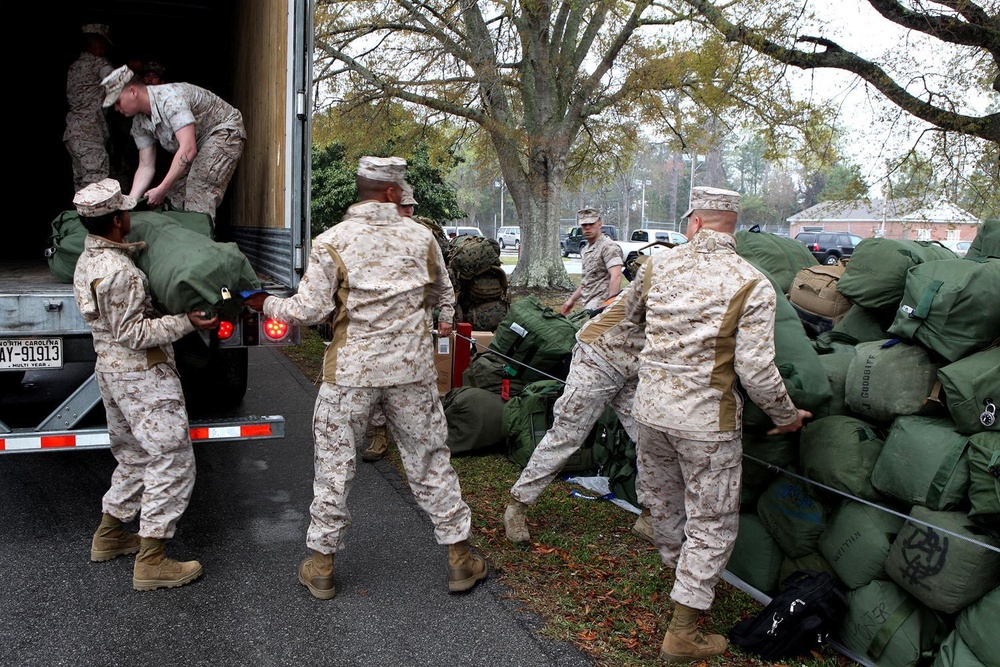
column 275, row 329
column 226, row 330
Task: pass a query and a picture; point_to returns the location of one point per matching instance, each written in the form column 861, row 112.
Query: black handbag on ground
column 798, row 620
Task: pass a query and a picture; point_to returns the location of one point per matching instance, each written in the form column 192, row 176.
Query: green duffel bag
column 840, row 452
column 971, row 391
column 954, row 652
column 875, row 276
column 944, row 572
column 793, row 515
column 890, row 378
column 987, row 241
column 890, row 627
column 779, row 256
column 860, row 325
column 68, row 235
column 798, row 362
column 977, row 626
column 488, row 371
column 780, row 450
column 857, row 542
column 188, row 272
column 984, row 479
column 475, row 420
column 836, row 364
column 527, row 418
column 924, row 462
column 814, row 562
column 756, row 557
column 950, row 306
column 535, row 338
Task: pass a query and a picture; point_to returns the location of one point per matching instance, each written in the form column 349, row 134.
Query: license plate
column 27, row 353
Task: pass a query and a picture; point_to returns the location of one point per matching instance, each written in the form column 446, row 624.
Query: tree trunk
column 539, row 264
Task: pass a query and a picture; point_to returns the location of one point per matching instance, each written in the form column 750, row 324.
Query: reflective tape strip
column 12, row 442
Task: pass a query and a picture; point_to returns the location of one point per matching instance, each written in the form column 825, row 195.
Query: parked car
column 829, row 247
column 509, row 236
column 452, row 232
column 575, row 240
column 650, row 235
column 957, row 247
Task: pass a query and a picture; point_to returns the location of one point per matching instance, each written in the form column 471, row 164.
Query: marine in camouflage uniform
column 86, row 135
column 378, row 439
column 138, row 381
column 381, row 353
column 601, row 266
column 709, row 318
column 200, row 172
column 604, row 370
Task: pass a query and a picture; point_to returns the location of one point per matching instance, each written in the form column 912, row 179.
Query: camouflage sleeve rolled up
column 754, row 358
column 124, row 304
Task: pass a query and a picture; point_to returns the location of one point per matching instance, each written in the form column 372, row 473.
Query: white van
column 509, row 236
column 452, row 232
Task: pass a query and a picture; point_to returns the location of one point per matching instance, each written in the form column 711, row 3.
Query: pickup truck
column 256, row 54
column 638, row 243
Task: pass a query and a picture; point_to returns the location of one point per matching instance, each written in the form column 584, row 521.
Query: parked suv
column 509, row 236
column 829, row 247
column 452, row 232
column 576, row 241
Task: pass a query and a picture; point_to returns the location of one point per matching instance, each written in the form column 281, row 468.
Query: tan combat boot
column 154, row 570
column 316, row 574
column 685, row 643
column 378, row 444
column 111, row 540
column 643, row 527
column 515, row 522
column 465, row 567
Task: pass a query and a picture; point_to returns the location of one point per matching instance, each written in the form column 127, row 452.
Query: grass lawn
column 593, row 582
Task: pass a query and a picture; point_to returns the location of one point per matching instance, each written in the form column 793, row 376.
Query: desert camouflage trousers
column 88, row 152
column 591, row 385
column 416, row 421
column 692, row 490
column 204, row 185
column 151, row 440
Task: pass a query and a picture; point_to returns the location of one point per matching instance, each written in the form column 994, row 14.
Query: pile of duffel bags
column 481, row 295
column 894, row 485
column 186, row 269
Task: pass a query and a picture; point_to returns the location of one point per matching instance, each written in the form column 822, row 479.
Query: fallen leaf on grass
column 587, row 635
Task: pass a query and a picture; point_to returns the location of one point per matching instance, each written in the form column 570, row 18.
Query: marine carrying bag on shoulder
column 798, row 620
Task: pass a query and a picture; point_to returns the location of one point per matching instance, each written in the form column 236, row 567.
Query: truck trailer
column 256, row 54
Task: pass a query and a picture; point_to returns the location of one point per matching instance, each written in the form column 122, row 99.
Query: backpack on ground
column 527, row 418
column 798, row 620
column 475, row 420
column 814, row 295
column 468, row 256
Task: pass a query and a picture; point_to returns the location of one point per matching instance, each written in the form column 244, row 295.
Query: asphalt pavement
column 246, row 524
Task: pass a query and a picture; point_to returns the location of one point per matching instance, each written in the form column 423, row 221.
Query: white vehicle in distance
column 452, row 232
column 509, row 236
column 957, row 247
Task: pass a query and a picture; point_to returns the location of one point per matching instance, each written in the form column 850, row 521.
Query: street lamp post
column 642, row 213
column 502, row 185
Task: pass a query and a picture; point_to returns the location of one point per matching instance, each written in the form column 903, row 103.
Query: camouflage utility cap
column 384, row 169
column 588, row 216
column 97, row 29
column 102, row 198
column 704, row 198
column 115, row 83
column 408, row 199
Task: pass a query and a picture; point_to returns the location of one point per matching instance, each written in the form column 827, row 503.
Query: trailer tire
column 11, row 380
column 214, row 379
